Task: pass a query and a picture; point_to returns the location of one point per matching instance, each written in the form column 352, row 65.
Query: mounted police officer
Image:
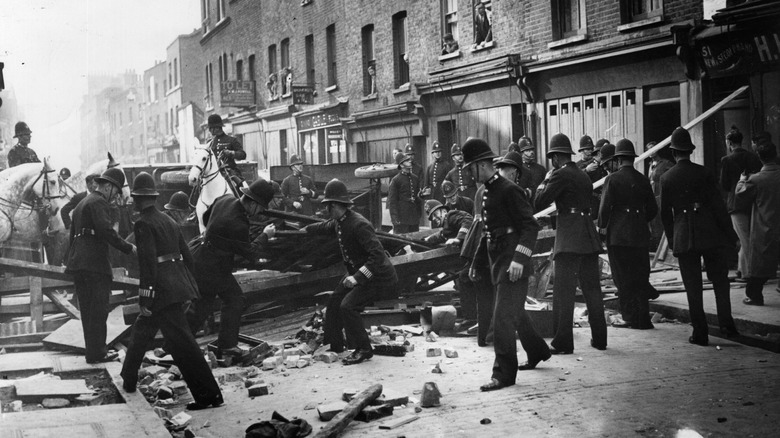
column 21, row 153
column 227, row 234
column 627, row 206
column 435, row 174
column 227, row 148
column 460, row 175
column 402, row 198
column 90, row 234
column 697, row 224
column 166, row 291
column 299, row 189
column 510, row 236
column 577, row 247
column 370, row 274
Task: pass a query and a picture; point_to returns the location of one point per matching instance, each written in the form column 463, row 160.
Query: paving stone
column 252, row 382
column 327, row 357
column 271, row 363
column 329, row 410
column 54, row 403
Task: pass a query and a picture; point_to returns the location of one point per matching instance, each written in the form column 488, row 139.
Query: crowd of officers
column 486, row 206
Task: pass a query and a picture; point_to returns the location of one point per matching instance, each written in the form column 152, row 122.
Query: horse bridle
column 38, row 204
column 204, row 179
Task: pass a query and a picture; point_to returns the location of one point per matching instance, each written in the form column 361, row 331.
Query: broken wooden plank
column 343, row 418
column 60, row 299
column 15, row 285
column 71, row 335
column 51, row 387
column 398, row 422
column 58, row 273
column 36, row 301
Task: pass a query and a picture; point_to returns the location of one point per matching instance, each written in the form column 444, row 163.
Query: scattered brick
column 258, row 390
column 433, row 352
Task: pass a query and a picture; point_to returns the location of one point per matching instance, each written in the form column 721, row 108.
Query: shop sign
column 237, row 93
column 335, row 134
column 740, row 53
column 318, row 120
column 303, row 94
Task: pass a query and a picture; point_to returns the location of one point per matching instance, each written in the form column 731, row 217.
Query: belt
column 627, row 209
column 582, row 211
column 85, row 232
column 499, row 232
column 174, row 257
column 693, row 207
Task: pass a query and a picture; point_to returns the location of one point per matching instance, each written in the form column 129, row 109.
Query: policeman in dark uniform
column 435, row 174
column 227, row 235
column 21, row 153
column 460, row 175
column 510, row 236
column 454, row 201
column 78, row 197
column 402, row 198
column 90, row 234
column 510, row 167
column 532, row 172
column 577, row 247
column 166, row 290
column 586, row 150
column 178, row 208
column 627, row 206
column 227, row 148
column 299, row 188
column 417, row 169
column 697, row 225
column 369, row 273
column 279, row 202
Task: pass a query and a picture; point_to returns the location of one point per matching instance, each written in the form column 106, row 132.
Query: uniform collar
column 344, row 216
column 493, row 179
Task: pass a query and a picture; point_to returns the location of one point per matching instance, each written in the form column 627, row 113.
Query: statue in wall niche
column 272, row 87
column 372, row 75
column 287, row 78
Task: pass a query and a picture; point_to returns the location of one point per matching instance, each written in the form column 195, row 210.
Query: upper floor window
column 170, row 76
column 330, row 40
column 401, row 59
column 250, row 70
column 175, row 71
column 449, row 26
column 220, row 10
column 221, row 70
column 638, row 10
column 272, row 84
column 483, row 22
column 309, row 43
column 204, row 14
column 369, row 62
column 285, row 52
column 286, row 78
column 209, row 86
column 568, row 18
column 240, row 70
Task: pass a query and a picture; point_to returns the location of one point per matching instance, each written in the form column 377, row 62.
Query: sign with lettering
column 318, row 120
column 335, row 134
column 303, row 94
column 739, row 52
column 237, row 93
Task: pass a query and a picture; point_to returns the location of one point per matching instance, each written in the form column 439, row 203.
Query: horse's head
column 203, row 160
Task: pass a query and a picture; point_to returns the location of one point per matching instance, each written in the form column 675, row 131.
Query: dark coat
column 760, row 195
column 627, row 205
column 363, row 255
column 456, row 225
column 463, row 179
column 67, row 208
column 571, row 190
column 227, row 234
column 168, row 282
column 461, row 203
column 434, row 176
column 403, row 201
column 477, row 230
column 531, row 176
column 21, row 155
column 90, row 234
column 505, row 206
column 693, row 212
column 224, row 141
column 291, row 189
column 731, row 168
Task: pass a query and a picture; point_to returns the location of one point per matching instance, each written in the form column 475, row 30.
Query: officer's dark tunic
column 577, row 246
column 434, row 176
column 365, row 259
column 461, row 203
column 404, row 203
column 531, row 176
column 167, row 288
column 226, row 142
column 510, row 236
column 463, row 179
column 627, row 205
column 291, row 188
column 90, row 234
column 20, row 155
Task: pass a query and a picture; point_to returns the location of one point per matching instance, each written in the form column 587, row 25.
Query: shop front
column 321, row 135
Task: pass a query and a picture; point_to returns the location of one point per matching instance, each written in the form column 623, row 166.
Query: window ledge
column 629, row 27
column 369, row 98
column 576, row 39
column 332, row 88
column 221, row 24
column 274, row 98
column 285, row 96
column 402, row 89
column 453, row 55
column 482, row 46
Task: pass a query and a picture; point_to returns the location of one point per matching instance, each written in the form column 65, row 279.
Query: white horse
column 25, row 190
column 208, row 180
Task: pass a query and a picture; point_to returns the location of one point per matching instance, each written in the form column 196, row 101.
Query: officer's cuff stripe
column 603, row 231
column 463, row 230
column 524, row 250
column 364, row 270
column 146, row 293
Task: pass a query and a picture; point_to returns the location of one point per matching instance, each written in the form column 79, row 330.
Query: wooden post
column 36, row 302
column 343, row 418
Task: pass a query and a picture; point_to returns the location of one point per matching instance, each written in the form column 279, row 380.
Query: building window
column 240, row 70
column 175, row 71
column 309, row 42
column 170, row 76
column 167, row 123
column 204, row 14
column 568, row 18
column 209, row 86
column 483, row 22
column 220, row 10
column 225, row 66
column 177, row 115
column 130, row 115
column 156, row 91
column 286, row 74
column 250, row 73
column 449, row 26
column 401, row 60
column 638, row 10
column 273, row 80
column 272, row 59
column 285, row 52
column 369, row 62
column 330, row 40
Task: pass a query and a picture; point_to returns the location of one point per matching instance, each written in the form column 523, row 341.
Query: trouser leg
column 94, row 291
column 690, row 271
column 718, row 273
column 755, row 288
column 142, row 335
column 741, row 222
column 617, row 264
column 230, row 319
column 333, row 326
column 566, row 266
column 351, row 306
column 591, row 290
column 485, row 304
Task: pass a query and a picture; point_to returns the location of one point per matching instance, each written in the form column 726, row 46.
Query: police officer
column 369, row 273
column 586, row 151
column 227, row 148
column 454, row 201
column 510, row 235
column 279, row 202
column 21, row 153
column 299, row 188
column 627, row 206
column 227, row 235
column 532, row 172
column 577, row 246
column 417, row 169
column 460, row 175
column 434, row 175
column 402, row 197
column 78, row 197
column 166, row 290
column 90, row 234
column 697, row 225
column 178, row 208
column 510, row 167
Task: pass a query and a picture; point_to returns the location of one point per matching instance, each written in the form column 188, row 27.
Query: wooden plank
column 71, row 335
column 37, row 361
column 398, row 422
column 15, row 285
column 20, row 305
column 27, row 338
column 343, row 418
column 36, row 301
column 61, row 301
column 58, row 273
column 51, row 388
